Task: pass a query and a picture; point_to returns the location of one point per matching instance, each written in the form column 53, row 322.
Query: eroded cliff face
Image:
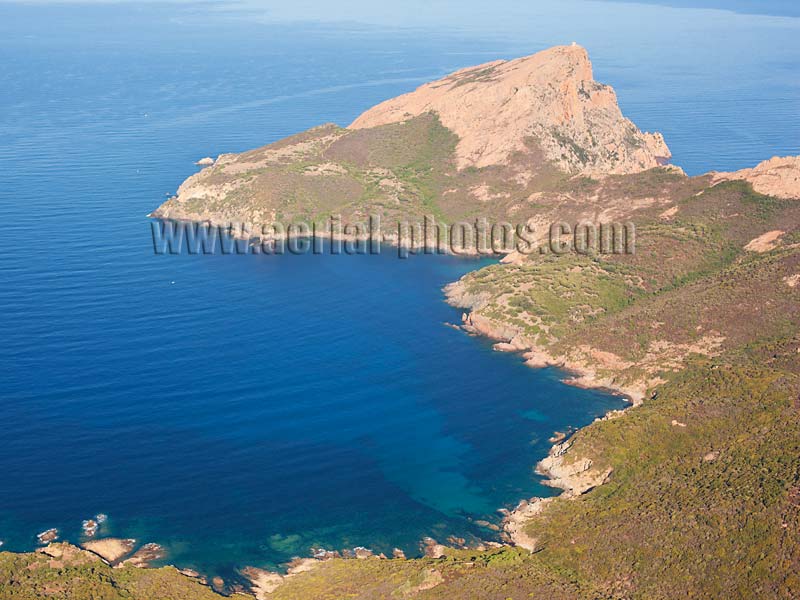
column 549, row 98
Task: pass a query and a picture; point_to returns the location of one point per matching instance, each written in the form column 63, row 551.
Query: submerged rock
column 218, row 584
column 487, row 525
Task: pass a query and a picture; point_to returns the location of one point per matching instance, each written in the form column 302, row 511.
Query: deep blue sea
column 241, row 409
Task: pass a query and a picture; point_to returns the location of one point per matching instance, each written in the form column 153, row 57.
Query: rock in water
column 89, row 527
column 50, row 535
column 218, row 584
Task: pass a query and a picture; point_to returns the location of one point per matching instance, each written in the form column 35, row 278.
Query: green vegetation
column 704, row 494
column 551, row 294
column 703, row 500
column 707, row 508
column 80, row 576
column 401, row 171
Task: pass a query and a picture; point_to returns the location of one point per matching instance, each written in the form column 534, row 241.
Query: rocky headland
column 694, row 493
column 536, row 140
column 486, row 138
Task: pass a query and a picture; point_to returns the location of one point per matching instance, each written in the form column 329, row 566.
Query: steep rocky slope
column 550, row 97
column 489, row 140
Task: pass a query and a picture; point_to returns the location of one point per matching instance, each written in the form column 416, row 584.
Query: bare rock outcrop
column 110, row 549
column 576, row 476
column 549, row 97
column 64, row 554
column 263, row 582
column 765, row 242
column 514, row 525
column 778, row 177
column 145, row 555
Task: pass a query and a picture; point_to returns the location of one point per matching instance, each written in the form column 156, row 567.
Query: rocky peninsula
column 695, row 491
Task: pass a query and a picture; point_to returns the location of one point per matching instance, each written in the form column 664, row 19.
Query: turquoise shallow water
column 239, row 410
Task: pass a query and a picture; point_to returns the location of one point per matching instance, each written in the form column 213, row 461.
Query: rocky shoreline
column 542, row 133
column 119, row 553
column 574, row 477
column 508, row 339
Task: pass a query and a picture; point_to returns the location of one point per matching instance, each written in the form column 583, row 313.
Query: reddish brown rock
column 550, row 97
column 50, row 535
column 778, row 176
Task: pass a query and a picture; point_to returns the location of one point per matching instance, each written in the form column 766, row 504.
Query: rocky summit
column 549, row 99
column 485, row 139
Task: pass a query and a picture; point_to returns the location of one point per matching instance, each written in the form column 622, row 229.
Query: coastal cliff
column 550, row 97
